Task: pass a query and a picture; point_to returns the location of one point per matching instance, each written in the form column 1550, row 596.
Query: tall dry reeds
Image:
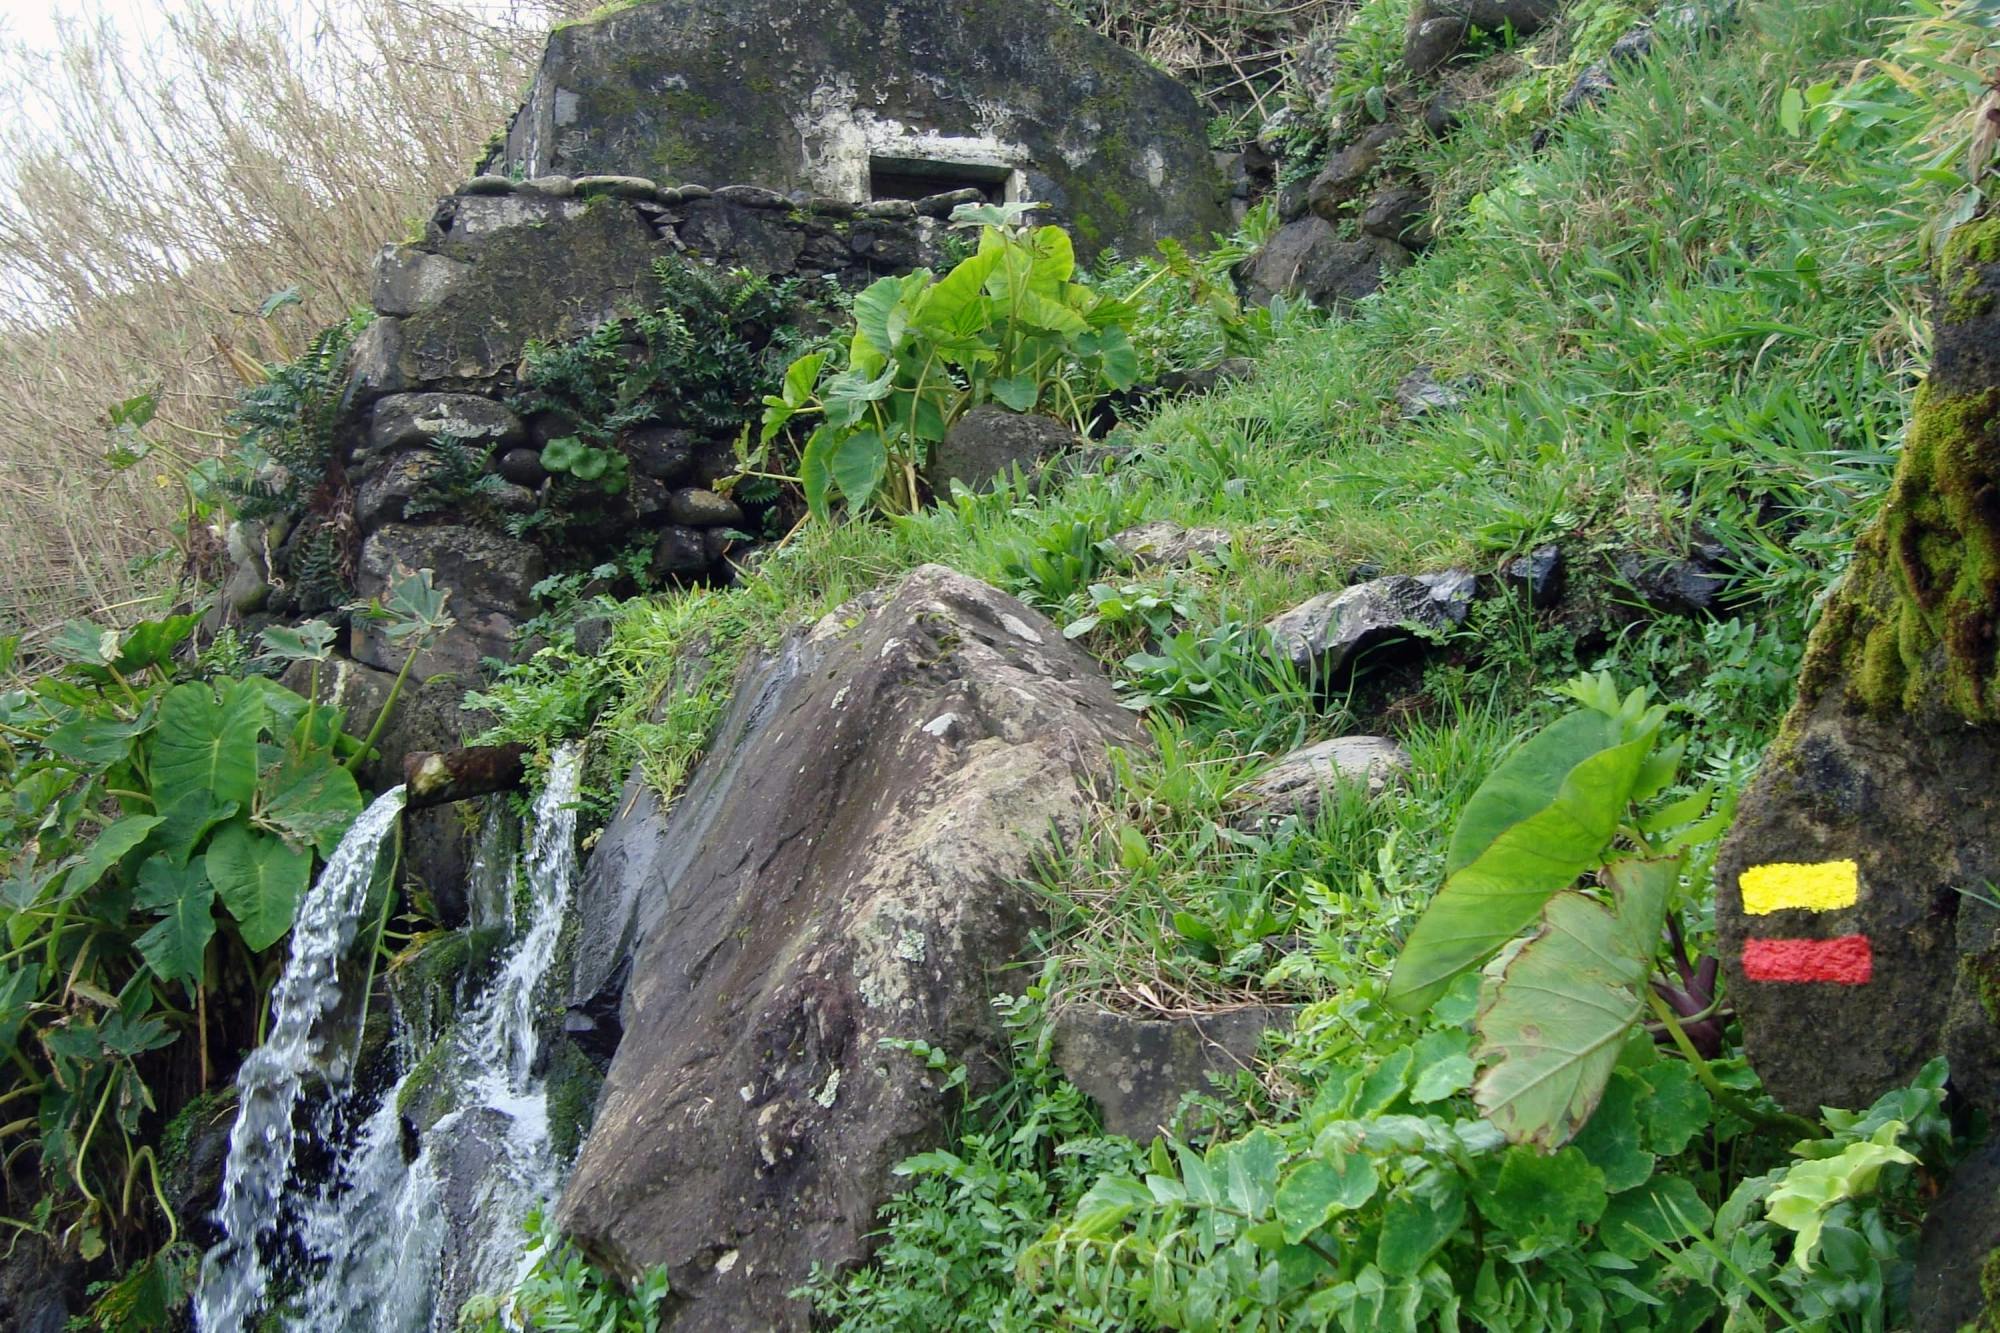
column 155, row 193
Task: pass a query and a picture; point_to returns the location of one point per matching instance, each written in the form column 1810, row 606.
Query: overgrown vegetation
column 144, row 790
column 1669, row 350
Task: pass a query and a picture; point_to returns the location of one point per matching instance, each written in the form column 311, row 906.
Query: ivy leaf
column 560, row 455
column 1540, row 1202
column 1611, row 1139
column 1543, row 818
column 1558, row 1006
column 204, row 756
column 260, row 880
column 311, row 801
column 1675, row 1108
column 174, row 946
column 17, row 993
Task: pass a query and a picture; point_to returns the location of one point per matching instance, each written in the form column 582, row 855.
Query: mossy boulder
column 1854, row 894
column 858, row 99
column 845, row 867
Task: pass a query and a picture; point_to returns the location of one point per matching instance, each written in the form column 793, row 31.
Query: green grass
column 1688, row 324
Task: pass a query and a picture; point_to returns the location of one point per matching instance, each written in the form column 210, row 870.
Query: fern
column 459, row 480
column 319, row 579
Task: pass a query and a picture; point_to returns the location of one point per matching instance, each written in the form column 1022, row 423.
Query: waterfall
column 382, row 1237
column 262, row 1143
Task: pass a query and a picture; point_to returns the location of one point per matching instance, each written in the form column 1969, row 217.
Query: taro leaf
column 17, row 993
column 814, row 477
column 311, row 800
column 260, row 880
column 204, row 759
column 955, row 304
column 174, row 946
column 1557, row 1007
column 1544, row 817
column 1119, row 363
column 83, row 644
column 100, row 741
column 857, row 464
column 309, row 642
column 1020, row 393
column 110, row 847
column 151, row 643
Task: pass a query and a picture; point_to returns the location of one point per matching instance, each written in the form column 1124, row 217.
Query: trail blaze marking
column 1823, row 886
column 1847, row 961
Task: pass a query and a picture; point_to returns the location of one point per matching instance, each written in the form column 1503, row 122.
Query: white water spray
column 262, row 1144
column 381, row 1236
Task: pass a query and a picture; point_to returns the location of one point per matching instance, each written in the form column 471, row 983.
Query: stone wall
column 504, row 265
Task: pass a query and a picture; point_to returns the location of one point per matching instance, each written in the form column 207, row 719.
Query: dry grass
column 154, row 195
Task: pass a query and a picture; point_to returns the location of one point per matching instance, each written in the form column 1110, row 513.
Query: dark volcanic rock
column 1137, row 1070
column 1911, row 804
column 413, row 420
column 825, row 97
column 1439, row 28
column 1399, row 212
column 1341, row 180
column 694, row 507
column 1539, row 577
column 843, row 868
column 1961, row 1236
column 1689, row 587
column 989, row 442
column 1323, row 636
column 1308, row 260
column 488, row 575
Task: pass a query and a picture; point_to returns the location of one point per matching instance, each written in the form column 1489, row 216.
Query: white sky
column 33, row 22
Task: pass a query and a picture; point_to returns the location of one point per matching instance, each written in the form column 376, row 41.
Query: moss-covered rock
column 1013, row 95
column 1887, row 773
column 572, row 1082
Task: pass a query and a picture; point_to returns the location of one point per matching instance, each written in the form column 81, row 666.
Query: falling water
column 382, row 1235
column 262, row 1144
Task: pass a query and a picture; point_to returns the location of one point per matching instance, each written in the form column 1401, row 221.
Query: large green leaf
column 204, row 759
column 260, row 880
column 151, row 643
column 311, row 800
column 955, row 304
column 1556, row 1010
column 814, row 476
column 1544, row 817
column 857, row 464
column 107, row 850
column 173, row 947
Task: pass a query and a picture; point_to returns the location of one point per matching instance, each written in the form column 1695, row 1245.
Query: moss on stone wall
column 573, row 1084
column 1917, row 620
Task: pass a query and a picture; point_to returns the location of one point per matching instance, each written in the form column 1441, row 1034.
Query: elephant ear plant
column 1009, row 325
column 160, row 826
column 1583, row 800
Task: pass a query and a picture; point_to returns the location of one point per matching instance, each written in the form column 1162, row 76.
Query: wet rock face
column 1961, row 1234
column 868, row 99
column 1840, row 908
column 843, row 868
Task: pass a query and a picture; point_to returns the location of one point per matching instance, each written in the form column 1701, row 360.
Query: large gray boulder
column 1138, row 1070
column 857, row 99
column 844, row 869
column 1438, row 29
column 990, row 442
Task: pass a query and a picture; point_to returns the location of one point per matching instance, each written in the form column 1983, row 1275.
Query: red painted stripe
column 1846, row 961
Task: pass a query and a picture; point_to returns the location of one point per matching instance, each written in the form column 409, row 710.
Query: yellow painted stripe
column 1823, row 886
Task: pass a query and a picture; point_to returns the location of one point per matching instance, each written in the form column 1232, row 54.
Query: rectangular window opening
column 916, row 178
